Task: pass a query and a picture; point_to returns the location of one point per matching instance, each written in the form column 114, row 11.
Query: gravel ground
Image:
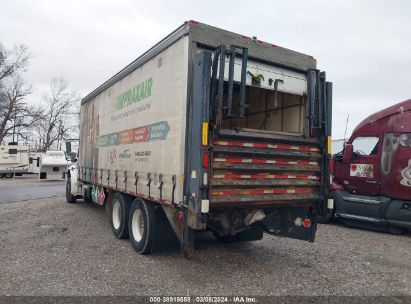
column 48, row 247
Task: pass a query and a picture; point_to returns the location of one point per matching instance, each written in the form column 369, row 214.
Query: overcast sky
column 364, row 46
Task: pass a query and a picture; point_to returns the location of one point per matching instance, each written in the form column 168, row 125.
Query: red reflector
column 273, row 45
column 206, row 160
column 245, row 37
column 192, row 21
column 180, row 216
column 331, row 165
column 307, row 223
column 311, row 56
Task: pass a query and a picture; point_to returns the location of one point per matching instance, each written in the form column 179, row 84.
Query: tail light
column 332, row 165
column 206, row 160
column 307, row 223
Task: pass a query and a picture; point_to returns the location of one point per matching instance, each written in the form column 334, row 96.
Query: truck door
column 362, row 175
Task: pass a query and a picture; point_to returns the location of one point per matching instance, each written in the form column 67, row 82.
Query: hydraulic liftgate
column 247, row 168
column 251, row 168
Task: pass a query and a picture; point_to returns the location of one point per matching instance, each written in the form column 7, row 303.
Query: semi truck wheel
column 71, row 199
column 120, row 206
column 140, row 226
column 8, row 175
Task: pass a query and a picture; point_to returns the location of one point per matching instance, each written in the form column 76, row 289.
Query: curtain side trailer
column 207, row 130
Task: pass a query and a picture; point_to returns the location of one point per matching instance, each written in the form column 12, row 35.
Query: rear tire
column 70, row 198
column 9, row 175
column 120, row 206
column 140, row 226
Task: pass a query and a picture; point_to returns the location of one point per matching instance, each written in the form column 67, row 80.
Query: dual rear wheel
column 132, row 219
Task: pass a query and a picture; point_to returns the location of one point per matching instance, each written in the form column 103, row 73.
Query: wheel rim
column 137, row 225
column 116, row 214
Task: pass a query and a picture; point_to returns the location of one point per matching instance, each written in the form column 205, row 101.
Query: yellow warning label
column 204, row 137
column 329, row 145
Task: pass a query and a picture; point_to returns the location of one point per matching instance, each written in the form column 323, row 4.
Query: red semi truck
column 372, row 175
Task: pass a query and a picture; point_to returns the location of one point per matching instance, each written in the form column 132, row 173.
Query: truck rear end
column 265, row 117
column 251, row 154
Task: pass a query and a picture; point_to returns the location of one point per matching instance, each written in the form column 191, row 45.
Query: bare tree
column 60, row 115
column 15, row 114
column 13, row 61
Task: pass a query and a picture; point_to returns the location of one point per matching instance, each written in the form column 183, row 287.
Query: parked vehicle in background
column 14, row 160
column 372, row 175
column 207, row 130
column 53, row 165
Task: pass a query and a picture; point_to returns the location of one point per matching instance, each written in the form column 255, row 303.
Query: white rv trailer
column 53, row 165
column 14, row 160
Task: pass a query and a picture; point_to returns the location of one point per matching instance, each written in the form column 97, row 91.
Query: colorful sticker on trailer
column 406, row 174
column 362, row 170
column 97, row 194
column 155, row 131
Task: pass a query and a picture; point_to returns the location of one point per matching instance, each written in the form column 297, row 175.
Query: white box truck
column 208, row 129
column 14, row 160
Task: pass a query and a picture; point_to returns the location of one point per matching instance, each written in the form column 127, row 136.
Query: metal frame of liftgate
column 217, row 86
column 319, row 116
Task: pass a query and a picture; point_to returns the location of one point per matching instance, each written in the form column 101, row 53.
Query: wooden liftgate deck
column 264, row 170
column 251, row 168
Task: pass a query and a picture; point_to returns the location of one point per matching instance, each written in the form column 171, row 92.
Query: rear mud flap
column 164, row 238
column 296, row 223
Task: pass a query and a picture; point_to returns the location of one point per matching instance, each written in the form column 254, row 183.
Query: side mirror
column 347, row 155
column 73, row 156
column 38, row 161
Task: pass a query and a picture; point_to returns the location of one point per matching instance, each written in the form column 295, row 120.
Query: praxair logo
column 133, row 95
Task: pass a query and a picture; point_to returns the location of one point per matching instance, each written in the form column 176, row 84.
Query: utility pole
column 60, row 137
column 14, row 123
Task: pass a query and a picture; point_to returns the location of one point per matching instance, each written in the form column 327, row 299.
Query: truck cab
column 372, row 175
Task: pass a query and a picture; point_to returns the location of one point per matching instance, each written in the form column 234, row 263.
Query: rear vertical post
column 243, row 81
